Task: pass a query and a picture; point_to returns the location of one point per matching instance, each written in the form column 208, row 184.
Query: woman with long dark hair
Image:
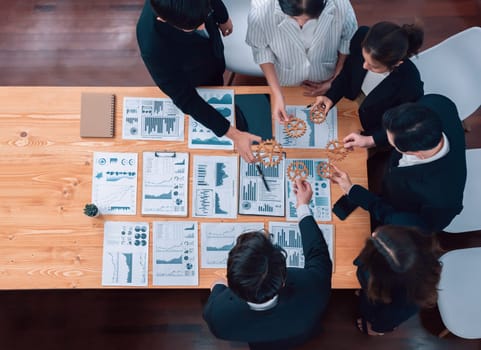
column 378, row 75
column 399, row 271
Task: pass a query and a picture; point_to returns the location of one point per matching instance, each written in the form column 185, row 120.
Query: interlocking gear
column 317, row 115
column 297, row 170
column 336, row 151
column 325, row 170
column 268, row 152
column 296, row 127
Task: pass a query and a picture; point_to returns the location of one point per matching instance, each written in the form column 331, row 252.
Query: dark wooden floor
column 92, row 42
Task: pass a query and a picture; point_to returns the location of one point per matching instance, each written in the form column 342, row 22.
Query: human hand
column 242, row 143
column 313, row 88
column 303, row 192
column 226, row 28
column 323, row 103
column 279, row 110
column 341, row 178
column 356, row 140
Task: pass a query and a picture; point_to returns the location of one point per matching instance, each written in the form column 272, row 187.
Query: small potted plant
column 91, row 210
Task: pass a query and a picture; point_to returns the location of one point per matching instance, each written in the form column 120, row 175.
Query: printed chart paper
column 217, row 239
column 316, row 135
column 254, row 198
column 215, row 187
column 125, row 254
column 152, row 118
column 202, row 137
column 175, row 261
column 288, row 236
column 321, row 199
column 165, row 183
column 114, row 183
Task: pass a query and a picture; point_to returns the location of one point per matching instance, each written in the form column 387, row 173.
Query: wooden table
column 45, row 180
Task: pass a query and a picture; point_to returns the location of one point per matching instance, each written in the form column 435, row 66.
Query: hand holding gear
column 297, row 170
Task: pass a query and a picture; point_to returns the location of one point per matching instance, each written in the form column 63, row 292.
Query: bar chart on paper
column 288, row 236
column 257, row 197
column 152, row 118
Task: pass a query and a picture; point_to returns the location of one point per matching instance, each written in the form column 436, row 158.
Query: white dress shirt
column 409, row 159
column 371, row 80
column 276, row 38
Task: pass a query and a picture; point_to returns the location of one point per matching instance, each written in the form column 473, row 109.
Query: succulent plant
column 91, row 210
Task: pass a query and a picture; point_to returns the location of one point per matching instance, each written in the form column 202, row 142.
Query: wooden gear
column 336, row 151
column 297, row 170
column 269, row 152
column 317, row 115
column 325, row 170
column 296, row 127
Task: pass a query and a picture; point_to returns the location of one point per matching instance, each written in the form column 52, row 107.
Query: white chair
column 453, row 68
column 470, row 217
column 459, row 300
column 238, row 55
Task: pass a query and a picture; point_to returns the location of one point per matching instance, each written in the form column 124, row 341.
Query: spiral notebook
column 97, row 115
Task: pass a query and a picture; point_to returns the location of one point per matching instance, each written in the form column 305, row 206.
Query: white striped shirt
column 275, row 39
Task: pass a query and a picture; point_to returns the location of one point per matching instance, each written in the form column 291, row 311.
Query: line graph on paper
column 217, row 239
column 175, row 259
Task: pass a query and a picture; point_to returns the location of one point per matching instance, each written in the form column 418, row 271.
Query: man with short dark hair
column 180, row 44
column 424, row 183
column 266, row 304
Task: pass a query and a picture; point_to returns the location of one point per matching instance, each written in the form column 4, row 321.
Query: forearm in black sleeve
column 220, row 11
column 382, row 211
column 338, row 86
column 170, row 80
column 316, row 253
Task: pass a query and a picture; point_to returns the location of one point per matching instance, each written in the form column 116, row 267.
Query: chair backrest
column 470, row 217
column 238, row 55
column 459, row 299
column 453, row 68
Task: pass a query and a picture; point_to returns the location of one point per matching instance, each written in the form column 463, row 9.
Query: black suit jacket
column 428, row 195
column 402, row 85
column 179, row 61
column 300, row 305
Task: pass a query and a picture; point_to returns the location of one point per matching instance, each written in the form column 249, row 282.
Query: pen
column 262, row 177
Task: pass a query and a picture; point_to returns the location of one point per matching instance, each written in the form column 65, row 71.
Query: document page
column 315, row 135
column 217, row 239
column 261, row 195
column 175, row 248
column 288, row 236
column 165, row 183
column 125, row 254
column 202, row 137
column 114, row 183
column 321, row 199
column 215, row 187
column 152, row 119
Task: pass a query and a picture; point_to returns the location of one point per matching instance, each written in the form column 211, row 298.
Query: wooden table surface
column 45, row 180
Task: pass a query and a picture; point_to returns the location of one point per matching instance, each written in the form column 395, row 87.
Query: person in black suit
column 424, row 183
column 398, row 270
column 266, row 304
column 378, row 74
column 181, row 47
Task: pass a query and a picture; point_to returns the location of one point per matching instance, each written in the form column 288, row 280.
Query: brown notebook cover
column 97, row 114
